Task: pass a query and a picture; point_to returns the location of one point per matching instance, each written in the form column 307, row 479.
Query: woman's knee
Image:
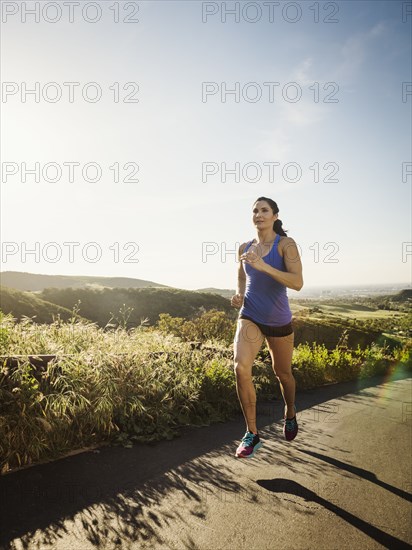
column 284, row 376
column 242, row 370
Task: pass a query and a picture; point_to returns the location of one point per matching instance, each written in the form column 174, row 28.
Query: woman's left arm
column 293, row 277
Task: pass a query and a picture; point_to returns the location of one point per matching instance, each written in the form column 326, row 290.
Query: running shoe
column 249, row 444
column 290, row 427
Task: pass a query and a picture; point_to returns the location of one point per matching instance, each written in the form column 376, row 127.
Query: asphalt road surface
column 344, row 482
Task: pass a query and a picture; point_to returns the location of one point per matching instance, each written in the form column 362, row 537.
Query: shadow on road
column 365, row 474
column 293, row 488
column 113, row 491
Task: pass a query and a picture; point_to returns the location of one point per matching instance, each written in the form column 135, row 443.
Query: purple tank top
column 266, row 300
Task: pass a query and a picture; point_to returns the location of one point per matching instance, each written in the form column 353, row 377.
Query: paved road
column 345, row 482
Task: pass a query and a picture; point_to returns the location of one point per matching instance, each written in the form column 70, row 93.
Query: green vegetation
column 98, row 305
column 141, row 303
column 120, row 385
column 25, row 304
column 210, row 325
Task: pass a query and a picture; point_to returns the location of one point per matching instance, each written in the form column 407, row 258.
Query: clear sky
column 318, row 123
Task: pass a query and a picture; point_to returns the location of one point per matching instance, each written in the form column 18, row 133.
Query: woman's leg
column 247, row 343
column 281, row 350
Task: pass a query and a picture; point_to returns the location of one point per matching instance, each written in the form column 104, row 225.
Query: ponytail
column 277, row 227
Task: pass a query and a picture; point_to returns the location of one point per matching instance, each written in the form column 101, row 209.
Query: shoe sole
column 290, row 439
column 257, row 446
column 284, row 436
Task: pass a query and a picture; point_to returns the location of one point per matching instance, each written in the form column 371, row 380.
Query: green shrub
column 169, row 324
column 207, row 326
column 375, row 361
column 310, row 364
column 218, row 388
column 403, row 356
column 342, row 365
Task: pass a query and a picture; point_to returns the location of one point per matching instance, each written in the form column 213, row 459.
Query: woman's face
column 263, row 216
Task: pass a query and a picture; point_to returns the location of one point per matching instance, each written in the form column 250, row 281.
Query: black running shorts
column 267, row 330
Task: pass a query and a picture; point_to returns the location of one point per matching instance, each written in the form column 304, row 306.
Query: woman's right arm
column 241, row 275
column 237, row 299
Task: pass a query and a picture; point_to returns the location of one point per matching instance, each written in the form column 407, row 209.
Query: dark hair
column 277, row 226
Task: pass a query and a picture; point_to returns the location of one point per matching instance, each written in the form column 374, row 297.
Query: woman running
column 267, row 266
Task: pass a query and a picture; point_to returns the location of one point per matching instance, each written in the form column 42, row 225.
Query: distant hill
column 20, row 304
column 225, row 292
column 36, row 282
column 400, row 301
column 402, row 296
column 100, row 305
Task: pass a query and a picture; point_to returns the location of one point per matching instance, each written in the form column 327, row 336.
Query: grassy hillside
column 21, row 304
column 34, row 281
column 133, row 305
